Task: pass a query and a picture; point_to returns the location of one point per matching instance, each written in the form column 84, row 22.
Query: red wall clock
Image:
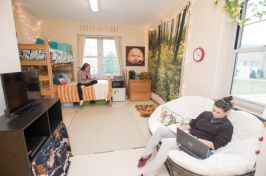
column 198, row 54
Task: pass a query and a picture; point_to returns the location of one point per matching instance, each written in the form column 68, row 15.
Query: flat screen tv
column 21, row 90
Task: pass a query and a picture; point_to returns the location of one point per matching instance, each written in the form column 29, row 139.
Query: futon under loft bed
column 66, row 94
column 49, row 89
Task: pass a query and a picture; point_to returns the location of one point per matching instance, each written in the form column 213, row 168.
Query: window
column 91, row 55
column 110, row 61
column 249, row 81
column 100, row 53
column 252, row 55
column 241, row 56
column 254, row 63
column 258, row 56
column 246, row 56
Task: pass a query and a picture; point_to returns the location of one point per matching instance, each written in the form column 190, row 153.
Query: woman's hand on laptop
column 209, row 143
column 183, row 126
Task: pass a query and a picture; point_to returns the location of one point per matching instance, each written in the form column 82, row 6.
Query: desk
column 139, row 89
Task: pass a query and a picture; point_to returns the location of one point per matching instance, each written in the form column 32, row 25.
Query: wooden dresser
column 139, row 89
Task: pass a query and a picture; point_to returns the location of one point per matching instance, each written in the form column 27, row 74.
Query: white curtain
column 81, row 48
column 118, row 46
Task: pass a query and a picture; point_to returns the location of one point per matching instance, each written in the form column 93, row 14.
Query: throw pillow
column 63, row 81
column 68, row 48
column 39, row 41
column 65, row 76
column 62, row 47
column 53, row 45
column 56, row 80
column 168, row 117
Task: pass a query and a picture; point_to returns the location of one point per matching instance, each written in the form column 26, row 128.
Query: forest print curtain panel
column 166, row 47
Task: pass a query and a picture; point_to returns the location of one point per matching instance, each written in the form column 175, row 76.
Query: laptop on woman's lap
column 192, row 146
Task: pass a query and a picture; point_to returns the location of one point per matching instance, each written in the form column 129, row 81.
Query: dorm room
column 50, row 62
column 194, row 53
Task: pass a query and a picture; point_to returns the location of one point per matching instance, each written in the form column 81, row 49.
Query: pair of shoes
column 81, row 102
column 143, row 161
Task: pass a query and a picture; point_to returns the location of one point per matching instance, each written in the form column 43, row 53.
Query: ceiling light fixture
column 94, row 5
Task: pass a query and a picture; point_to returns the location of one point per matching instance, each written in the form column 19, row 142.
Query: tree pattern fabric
column 166, row 47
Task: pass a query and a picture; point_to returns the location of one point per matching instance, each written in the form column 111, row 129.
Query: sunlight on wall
column 28, row 28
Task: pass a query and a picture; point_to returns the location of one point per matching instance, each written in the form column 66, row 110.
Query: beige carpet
column 97, row 129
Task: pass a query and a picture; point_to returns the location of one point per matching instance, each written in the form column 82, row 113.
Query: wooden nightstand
column 139, row 89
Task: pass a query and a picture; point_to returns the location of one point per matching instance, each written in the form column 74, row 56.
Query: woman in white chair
column 84, row 79
column 212, row 128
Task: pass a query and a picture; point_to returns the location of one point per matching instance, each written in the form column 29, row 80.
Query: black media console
column 23, row 135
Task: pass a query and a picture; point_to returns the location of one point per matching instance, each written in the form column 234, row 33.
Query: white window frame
column 100, row 56
column 238, row 100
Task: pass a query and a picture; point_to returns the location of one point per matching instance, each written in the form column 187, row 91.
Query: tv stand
column 29, row 109
column 34, row 143
column 24, row 138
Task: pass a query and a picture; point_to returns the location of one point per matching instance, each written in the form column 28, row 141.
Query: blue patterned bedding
column 57, row 56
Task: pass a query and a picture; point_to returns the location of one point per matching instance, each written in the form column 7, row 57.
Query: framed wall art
column 135, row 56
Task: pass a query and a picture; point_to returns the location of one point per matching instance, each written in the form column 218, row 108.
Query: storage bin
column 86, row 103
column 100, row 102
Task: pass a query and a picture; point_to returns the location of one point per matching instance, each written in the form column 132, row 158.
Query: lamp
column 94, row 5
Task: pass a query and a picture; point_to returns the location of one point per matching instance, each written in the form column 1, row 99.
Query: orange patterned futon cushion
column 69, row 93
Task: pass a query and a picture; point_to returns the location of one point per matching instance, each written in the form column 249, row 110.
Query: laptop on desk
column 192, row 146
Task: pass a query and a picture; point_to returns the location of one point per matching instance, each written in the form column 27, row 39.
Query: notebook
column 191, row 145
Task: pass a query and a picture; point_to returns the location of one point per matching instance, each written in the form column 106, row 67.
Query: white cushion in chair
column 188, row 107
column 236, row 158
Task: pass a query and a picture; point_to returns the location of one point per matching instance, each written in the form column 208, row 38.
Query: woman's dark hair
column 85, row 66
column 224, row 103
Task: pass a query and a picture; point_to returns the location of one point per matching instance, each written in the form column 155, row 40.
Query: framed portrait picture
column 135, row 56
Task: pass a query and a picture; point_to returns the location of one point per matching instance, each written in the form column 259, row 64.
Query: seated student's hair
column 85, row 65
column 225, row 103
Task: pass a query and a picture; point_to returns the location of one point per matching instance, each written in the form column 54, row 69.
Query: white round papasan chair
column 236, row 158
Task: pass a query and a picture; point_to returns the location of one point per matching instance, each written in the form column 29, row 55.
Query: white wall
column 207, row 29
column 8, row 46
column 28, row 27
column 67, row 31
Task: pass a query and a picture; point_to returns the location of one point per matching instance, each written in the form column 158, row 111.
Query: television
column 21, row 90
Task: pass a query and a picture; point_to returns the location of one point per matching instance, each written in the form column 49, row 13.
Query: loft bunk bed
column 67, row 93
column 39, row 55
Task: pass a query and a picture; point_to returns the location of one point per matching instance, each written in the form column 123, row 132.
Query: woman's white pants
column 167, row 145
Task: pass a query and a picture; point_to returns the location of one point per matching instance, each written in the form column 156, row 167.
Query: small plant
column 262, row 74
column 236, row 72
column 234, row 8
column 253, row 74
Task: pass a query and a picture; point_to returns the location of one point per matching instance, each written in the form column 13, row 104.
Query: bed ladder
column 49, row 91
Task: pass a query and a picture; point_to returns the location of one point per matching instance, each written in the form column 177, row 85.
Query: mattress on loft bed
column 57, row 56
column 69, row 93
